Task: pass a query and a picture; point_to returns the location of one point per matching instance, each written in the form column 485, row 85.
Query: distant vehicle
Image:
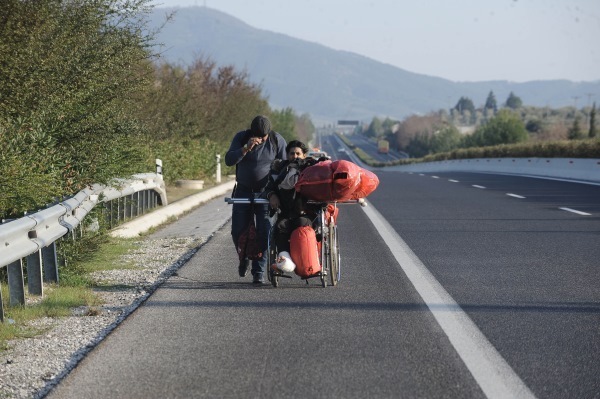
column 383, row 146
column 318, row 154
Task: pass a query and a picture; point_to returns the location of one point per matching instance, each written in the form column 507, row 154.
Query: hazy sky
column 461, row 40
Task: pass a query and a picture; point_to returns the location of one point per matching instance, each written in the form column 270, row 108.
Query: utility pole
column 589, row 110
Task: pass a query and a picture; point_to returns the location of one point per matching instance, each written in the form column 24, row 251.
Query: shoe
column 258, row 280
column 243, row 267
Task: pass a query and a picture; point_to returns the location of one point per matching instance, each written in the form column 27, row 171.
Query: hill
column 330, row 84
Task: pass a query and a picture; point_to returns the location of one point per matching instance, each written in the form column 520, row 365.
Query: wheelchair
column 328, row 244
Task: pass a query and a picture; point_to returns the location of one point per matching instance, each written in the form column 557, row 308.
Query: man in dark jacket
column 253, row 151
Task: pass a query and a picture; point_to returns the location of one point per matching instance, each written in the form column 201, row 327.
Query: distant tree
column 416, row 124
column 490, row 102
column 419, row 145
column 445, row 139
column 534, row 126
column 575, row 131
column 284, row 123
column 465, row 104
column 305, row 128
column 505, row 128
column 513, row 101
column 388, row 125
column 592, row 132
column 375, row 128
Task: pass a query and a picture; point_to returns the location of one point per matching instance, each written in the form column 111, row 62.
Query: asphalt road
column 522, row 270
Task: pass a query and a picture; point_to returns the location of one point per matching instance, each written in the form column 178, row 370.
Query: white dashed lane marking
column 576, row 211
column 476, row 186
column 514, row 195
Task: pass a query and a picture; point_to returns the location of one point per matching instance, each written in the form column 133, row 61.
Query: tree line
column 85, row 98
column 465, row 126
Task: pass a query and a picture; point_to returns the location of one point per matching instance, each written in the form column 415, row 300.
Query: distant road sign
column 352, row 123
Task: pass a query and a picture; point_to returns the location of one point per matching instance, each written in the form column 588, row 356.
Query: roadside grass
column 175, row 193
column 75, row 290
column 57, row 302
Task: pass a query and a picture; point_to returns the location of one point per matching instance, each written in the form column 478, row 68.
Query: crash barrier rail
column 33, row 237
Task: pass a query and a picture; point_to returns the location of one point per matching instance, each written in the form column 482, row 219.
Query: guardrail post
column 50, row 263
column 145, row 200
column 34, row 273
column 1, row 306
column 158, row 167
column 16, row 286
column 126, row 208
column 218, row 177
column 121, row 206
column 135, row 203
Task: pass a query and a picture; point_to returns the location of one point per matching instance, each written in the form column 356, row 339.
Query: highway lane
column 525, row 271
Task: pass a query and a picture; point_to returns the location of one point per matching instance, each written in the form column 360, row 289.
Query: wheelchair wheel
column 324, row 256
column 334, row 255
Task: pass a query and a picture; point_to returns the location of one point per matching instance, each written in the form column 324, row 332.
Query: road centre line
column 476, row 186
column 514, row 195
column 576, row 211
column 493, row 374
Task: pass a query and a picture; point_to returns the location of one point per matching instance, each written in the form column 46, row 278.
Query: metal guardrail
column 34, row 236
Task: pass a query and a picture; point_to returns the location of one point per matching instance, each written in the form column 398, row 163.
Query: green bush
column 69, row 72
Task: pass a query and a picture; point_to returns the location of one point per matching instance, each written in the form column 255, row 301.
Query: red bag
column 304, row 252
column 329, row 181
column 247, row 246
column 330, row 211
column 368, row 183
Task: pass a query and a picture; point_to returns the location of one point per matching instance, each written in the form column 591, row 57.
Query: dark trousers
column 240, row 218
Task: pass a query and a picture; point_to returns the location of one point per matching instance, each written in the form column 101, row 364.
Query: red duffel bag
column 368, row 183
column 304, row 251
column 329, row 181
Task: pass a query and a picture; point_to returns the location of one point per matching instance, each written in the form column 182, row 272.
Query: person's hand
column 253, row 142
column 274, row 201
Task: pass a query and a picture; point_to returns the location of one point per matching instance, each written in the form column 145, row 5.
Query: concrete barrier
column 143, row 223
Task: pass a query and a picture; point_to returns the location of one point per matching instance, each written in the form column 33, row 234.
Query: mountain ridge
column 334, row 84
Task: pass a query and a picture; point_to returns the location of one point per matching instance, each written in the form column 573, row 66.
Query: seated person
column 282, row 195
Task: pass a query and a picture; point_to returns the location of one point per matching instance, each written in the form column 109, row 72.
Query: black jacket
column 282, row 178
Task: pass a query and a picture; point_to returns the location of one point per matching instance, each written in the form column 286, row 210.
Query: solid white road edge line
column 495, row 377
column 576, row 211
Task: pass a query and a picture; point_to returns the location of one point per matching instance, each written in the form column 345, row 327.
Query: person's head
column 260, row 127
column 296, row 149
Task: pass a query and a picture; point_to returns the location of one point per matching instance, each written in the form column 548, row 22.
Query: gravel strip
column 32, row 366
